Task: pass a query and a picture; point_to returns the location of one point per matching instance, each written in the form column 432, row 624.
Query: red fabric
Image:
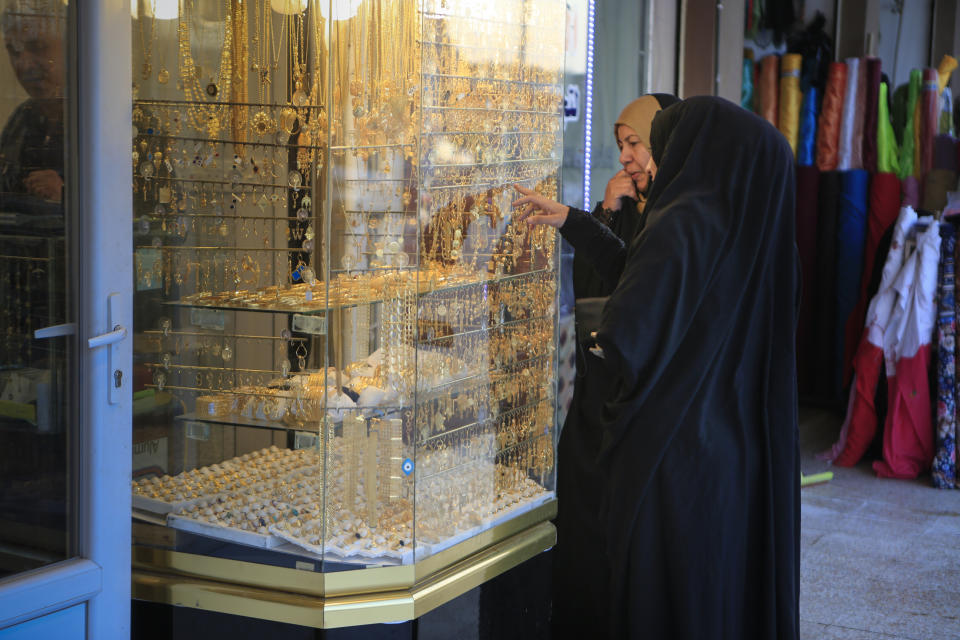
column 884, row 207
column 908, row 432
column 862, row 417
column 828, row 126
column 808, row 181
column 929, row 119
column 870, row 122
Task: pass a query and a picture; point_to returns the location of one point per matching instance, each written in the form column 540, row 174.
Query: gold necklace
column 147, row 45
column 202, row 114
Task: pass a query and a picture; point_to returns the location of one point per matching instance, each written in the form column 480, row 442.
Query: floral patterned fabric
column 944, row 470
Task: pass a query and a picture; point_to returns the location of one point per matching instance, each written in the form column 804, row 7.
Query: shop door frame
column 98, row 162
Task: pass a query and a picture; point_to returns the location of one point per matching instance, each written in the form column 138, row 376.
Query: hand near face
column 536, row 209
column 621, row 185
column 45, row 184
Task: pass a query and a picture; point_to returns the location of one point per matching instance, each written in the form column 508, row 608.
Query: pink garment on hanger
column 908, row 437
column 860, row 424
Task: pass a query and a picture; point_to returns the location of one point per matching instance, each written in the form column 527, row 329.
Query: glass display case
column 344, row 340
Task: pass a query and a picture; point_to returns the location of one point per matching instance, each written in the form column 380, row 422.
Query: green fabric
column 907, row 148
column 887, row 161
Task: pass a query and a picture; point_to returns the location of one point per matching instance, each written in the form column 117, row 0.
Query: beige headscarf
column 638, row 115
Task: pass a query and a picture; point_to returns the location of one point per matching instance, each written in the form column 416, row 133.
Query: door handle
column 111, row 340
column 55, row 331
column 111, row 337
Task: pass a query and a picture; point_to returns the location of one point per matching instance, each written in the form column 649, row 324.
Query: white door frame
column 100, row 166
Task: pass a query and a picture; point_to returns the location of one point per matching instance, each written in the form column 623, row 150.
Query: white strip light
column 588, row 107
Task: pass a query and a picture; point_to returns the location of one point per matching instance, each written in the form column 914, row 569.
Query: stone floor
column 879, row 558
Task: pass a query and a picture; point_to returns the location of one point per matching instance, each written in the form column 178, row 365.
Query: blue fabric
column 851, row 238
column 746, row 88
column 806, row 146
column 944, row 470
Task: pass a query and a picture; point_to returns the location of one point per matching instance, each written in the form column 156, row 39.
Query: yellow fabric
column 947, row 65
column 638, row 115
column 788, row 120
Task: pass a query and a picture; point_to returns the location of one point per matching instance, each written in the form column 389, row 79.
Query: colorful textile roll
column 883, row 208
column 870, row 100
column 769, row 89
column 806, row 146
column 888, row 160
column 944, row 69
column 746, row 90
column 935, row 186
column 929, row 120
column 831, row 114
column 945, row 152
column 944, row 469
column 908, row 143
column 788, row 119
column 945, row 125
column 851, row 238
column 910, row 188
column 808, row 180
column 825, row 294
column 848, row 125
column 859, row 116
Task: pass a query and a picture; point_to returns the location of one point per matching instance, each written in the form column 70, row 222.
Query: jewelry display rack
column 345, row 341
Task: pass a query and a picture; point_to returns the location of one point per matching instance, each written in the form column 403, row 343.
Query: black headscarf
column 699, row 444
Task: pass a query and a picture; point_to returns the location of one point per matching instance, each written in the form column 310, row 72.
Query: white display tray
column 363, row 556
column 153, row 505
column 221, row 532
column 529, row 504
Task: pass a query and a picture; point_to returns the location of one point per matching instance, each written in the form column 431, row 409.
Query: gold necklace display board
column 345, row 342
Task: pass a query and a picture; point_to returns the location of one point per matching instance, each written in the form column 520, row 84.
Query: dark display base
column 512, row 606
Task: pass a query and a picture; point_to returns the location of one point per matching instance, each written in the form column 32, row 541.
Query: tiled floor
column 879, row 558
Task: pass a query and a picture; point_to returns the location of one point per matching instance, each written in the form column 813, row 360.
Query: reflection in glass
column 34, row 427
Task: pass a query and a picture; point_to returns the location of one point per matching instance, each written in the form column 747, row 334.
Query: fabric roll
column 945, row 125
column 929, row 120
column 788, row 119
column 757, row 68
column 882, row 210
column 831, row 114
column 769, row 89
column 859, row 117
column 936, row 184
column 888, row 160
column 746, row 90
column 945, row 152
column 871, row 117
column 944, row 468
column 808, row 181
column 806, row 146
column 944, row 69
column 851, row 238
column 910, row 188
column 898, row 110
column 825, row 296
column 908, row 143
column 848, row 123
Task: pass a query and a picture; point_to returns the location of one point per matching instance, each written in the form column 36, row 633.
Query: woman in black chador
column 698, row 516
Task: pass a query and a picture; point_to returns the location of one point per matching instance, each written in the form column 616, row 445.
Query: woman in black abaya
column 699, row 509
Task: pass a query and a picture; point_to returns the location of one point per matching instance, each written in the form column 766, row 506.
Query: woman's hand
column 539, row 210
column 621, row 185
column 45, row 184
